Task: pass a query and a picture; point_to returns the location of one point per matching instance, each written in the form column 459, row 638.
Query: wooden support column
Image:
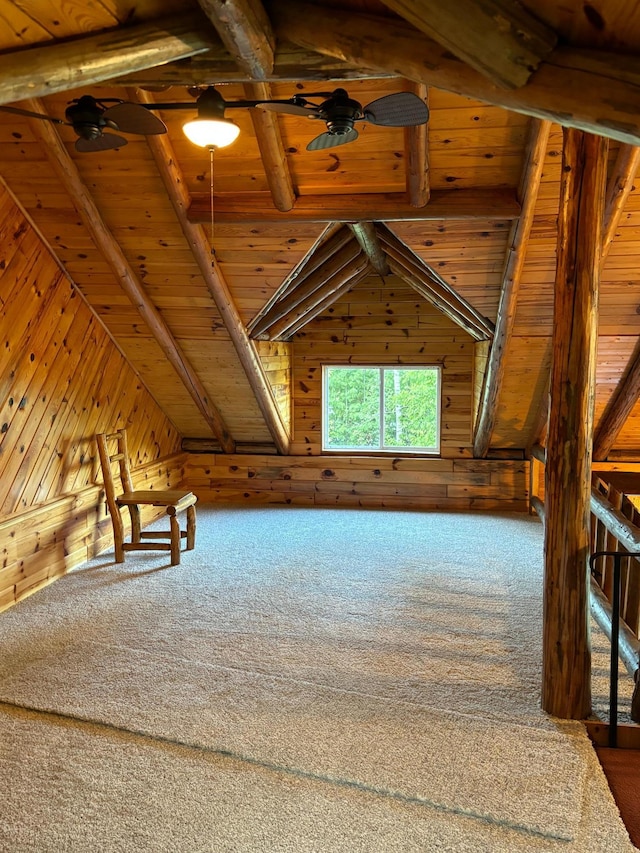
column 566, row 674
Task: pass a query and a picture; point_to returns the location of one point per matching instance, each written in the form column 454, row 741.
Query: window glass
column 381, row 408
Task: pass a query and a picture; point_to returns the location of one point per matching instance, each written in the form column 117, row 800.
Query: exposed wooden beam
column 596, row 91
column 245, row 31
column 293, row 64
column 175, row 184
column 566, row 674
column 63, row 65
column 305, row 288
column 627, row 392
column 416, row 152
column 316, row 255
column 269, row 139
column 109, row 248
column 619, row 408
column 499, row 38
column 327, row 302
column 408, row 266
column 365, row 233
column 368, row 207
column 619, row 186
column 321, row 299
column 516, row 253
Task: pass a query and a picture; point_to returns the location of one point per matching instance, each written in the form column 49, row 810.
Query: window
column 381, row 408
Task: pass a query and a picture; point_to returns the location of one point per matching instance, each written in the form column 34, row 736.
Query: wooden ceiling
column 463, row 209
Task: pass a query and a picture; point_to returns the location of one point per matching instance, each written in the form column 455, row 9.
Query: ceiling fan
column 94, row 120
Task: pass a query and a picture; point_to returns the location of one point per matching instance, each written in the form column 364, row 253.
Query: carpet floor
column 331, row 680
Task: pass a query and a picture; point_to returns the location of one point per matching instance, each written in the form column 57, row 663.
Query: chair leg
column 136, row 525
column 118, row 535
column 175, row 540
column 191, row 528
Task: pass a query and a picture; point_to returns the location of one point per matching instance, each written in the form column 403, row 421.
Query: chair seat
column 179, row 500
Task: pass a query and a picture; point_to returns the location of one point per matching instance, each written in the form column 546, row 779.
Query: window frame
column 384, row 450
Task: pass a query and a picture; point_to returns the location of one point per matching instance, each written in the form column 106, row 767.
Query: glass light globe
column 211, row 133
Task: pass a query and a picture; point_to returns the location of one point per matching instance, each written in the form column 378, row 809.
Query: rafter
column 592, row 90
column 416, row 152
column 410, row 268
column 365, row 233
column 626, row 394
column 379, row 207
column 245, row 31
column 292, row 63
column 175, row 184
column 320, row 299
column 63, row 65
column 499, row 38
column 357, row 271
column 269, row 139
column 305, row 287
column 516, row 253
column 109, row 248
column 317, row 254
column 619, row 186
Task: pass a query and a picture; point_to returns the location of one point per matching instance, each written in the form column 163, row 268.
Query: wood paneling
column 62, row 379
column 360, row 481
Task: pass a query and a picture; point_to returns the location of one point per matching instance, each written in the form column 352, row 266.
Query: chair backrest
column 112, row 447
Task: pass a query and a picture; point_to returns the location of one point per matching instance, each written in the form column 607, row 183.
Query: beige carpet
column 305, row 680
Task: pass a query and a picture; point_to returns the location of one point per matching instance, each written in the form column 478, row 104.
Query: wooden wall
column 378, row 322
column 383, row 321
column 62, row 379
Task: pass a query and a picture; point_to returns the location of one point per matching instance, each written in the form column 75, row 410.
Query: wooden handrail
column 627, row 535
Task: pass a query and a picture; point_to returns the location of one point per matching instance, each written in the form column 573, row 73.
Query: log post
column 566, row 673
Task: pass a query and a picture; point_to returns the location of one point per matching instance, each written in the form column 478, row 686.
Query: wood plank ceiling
column 463, row 209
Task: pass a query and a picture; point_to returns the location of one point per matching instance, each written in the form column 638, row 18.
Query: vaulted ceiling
column 463, row 209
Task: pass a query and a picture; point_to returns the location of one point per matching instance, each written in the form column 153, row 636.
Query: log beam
column 365, row 233
column 305, row 288
column 272, row 153
column 416, row 148
column 499, row 38
column 408, row 266
column 516, row 253
column 175, row 184
column 37, row 71
column 627, row 392
column 322, row 299
column 315, row 256
column 367, row 207
column 566, row 674
column 245, row 31
column 107, row 245
column 592, row 90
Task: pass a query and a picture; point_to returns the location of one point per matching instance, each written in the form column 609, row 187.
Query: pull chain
column 212, row 148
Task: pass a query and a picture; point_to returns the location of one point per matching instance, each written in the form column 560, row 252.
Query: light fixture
column 211, row 129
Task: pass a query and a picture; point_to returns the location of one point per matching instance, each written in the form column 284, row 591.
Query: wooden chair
column 175, row 501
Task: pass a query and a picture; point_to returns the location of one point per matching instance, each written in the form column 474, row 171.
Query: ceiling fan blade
column 332, row 140
column 401, row 109
column 134, row 118
column 28, row 114
column 101, row 143
column 289, row 109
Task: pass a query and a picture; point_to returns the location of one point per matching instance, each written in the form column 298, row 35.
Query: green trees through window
column 381, row 408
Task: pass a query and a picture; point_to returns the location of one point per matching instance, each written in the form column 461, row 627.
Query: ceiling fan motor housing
column 340, row 112
column 85, row 115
